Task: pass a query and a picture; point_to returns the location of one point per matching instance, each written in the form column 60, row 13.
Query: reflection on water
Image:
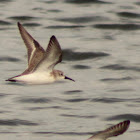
column 65, row 27
column 82, row 19
column 118, row 26
column 2, row 22
column 133, row 117
column 34, row 100
column 22, row 18
column 119, row 67
column 100, row 43
column 17, row 122
column 81, row 67
column 128, row 14
column 70, row 55
column 87, row 1
column 9, row 59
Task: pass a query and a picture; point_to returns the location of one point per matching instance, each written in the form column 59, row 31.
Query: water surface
column 101, row 51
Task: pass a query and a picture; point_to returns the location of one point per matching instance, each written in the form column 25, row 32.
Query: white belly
column 35, row 78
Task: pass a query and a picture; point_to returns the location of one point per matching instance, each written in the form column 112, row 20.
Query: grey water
column 100, row 40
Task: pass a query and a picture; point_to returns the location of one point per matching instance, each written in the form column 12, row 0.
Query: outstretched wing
column 52, row 56
column 112, row 131
column 34, row 50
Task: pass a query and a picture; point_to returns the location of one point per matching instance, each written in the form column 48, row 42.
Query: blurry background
column 101, row 51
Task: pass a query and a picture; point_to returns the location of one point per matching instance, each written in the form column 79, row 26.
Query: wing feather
column 112, row 131
column 34, row 50
column 52, row 56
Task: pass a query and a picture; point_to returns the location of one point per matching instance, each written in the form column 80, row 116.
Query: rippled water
column 101, row 51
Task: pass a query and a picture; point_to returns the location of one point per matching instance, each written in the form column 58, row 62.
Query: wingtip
column 125, row 125
column 53, row 40
column 53, row 37
column 19, row 26
column 127, row 122
column 18, row 23
column 120, row 128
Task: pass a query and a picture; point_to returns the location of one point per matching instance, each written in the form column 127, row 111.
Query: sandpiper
column 115, row 130
column 40, row 62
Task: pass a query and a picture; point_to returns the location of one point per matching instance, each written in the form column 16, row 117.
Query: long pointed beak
column 69, row 78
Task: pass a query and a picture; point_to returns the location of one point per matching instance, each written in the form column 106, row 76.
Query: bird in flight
column 41, row 62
